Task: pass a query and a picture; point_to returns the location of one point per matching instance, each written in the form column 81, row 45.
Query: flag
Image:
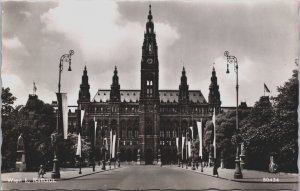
column 192, row 131
column 63, row 108
column 266, row 88
column 78, row 152
column 110, row 142
column 182, row 146
column 81, row 116
column 189, row 149
column 199, row 125
column 95, row 132
column 177, row 143
column 34, row 87
column 214, row 143
column 113, row 146
column 106, row 146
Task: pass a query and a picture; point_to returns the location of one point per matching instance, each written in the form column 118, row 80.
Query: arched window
column 122, row 129
column 162, row 134
column 129, row 132
column 174, row 133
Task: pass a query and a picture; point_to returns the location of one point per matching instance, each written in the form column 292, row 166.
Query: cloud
column 190, row 33
column 100, row 29
column 16, row 86
column 12, row 43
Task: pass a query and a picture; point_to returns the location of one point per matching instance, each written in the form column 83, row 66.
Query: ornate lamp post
column 55, row 136
column 233, row 60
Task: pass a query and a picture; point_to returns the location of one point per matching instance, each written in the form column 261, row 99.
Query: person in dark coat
column 41, row 171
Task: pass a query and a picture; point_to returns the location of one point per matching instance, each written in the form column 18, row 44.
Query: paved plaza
column 152, row 177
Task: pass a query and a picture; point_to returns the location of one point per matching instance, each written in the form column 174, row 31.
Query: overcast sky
column 263, row 35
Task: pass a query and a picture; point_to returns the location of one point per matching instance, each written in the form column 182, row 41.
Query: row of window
column 199, row 110
column 113, row 109
column 168, row 134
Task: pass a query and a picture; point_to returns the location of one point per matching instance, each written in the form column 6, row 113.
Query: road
column 148, row 177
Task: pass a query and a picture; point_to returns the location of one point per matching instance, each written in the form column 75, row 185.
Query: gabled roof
column 166, row 96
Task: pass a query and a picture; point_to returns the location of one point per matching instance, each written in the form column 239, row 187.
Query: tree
column 257, row 134
column 9, row 133
column 7, row 102
column 67, row 151
column 36, row 120
column 286, row 123
column 273, row 129
column 225, row 131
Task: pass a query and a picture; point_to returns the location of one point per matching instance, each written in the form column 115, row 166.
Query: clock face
column 149, row 61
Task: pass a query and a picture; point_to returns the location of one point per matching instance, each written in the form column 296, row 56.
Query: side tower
column 115, row 88
column 149, row 95
column 214, row 94
column 84, row 92
column 83, row 101
column 183, row 89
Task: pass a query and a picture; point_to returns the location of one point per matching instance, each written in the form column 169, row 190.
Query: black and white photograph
column 149, row 94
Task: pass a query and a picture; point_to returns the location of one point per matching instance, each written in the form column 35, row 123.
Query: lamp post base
column 103, row 165
column 55, row 173
column 238, row 173
column 193, row 165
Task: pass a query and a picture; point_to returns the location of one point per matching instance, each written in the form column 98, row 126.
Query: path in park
column 148, row 177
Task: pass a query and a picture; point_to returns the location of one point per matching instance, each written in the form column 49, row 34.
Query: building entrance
column 149, row 157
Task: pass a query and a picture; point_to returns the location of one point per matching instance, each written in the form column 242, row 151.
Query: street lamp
column 55, row 136
column 233, row 60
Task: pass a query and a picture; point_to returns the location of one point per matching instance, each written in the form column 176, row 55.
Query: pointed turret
column 115, row 87
column 183, row 88
column 150, row 25
column 84, row 92
column 214, row 94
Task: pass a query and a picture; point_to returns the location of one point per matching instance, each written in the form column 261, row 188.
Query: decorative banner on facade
column 95, row 132
column 81, row 116
column 177, row 143
column 191, row 128
column 110, row 142
column 214, row 143
column 78, row 152
column 106, row 146
column 63, row 107
column 114, row 146
column 189, row 149
column 199, row 126
column 182, row 146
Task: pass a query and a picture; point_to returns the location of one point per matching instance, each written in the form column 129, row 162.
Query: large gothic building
column 147, row 119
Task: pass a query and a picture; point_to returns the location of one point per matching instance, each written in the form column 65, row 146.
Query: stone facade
column 148, row 119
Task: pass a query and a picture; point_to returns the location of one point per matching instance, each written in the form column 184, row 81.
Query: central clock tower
column 149, row 96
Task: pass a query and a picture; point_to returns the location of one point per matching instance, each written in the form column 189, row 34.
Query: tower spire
column 214, row 94
column 84, row 92
column 183, row 88
column 115, row 87
column 150, row 13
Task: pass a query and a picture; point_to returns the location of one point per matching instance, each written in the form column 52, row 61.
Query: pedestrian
column 41, row 171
